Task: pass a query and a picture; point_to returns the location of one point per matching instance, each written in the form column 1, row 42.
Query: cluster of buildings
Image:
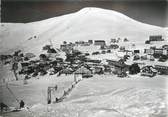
column 154, row 50
column 77, row 62
column 70, row 46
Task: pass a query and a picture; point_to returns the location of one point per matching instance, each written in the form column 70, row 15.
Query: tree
column 134, row 69
column 46, row 47
column 147, row 42
column 43, row 57
column 70, row 58
column 126, row 57
column 64, row 42
column 51, row 50
column 125, row 39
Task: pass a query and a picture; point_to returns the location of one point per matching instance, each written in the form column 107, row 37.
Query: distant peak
column 86, row 9
column 101, row 11
column 97, row 9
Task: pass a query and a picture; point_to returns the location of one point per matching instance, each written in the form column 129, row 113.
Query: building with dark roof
column 100, row 42
column 156, row 38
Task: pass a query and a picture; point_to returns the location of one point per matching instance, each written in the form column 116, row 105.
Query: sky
column 21, row 11
column 84, row 0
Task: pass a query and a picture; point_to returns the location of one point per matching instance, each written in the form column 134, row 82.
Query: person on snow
column 22, row 104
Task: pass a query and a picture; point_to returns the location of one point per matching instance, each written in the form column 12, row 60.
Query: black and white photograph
column 84, row 58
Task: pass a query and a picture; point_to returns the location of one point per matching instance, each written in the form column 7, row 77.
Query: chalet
column 46, row 47
column 74, row 67
column 158, row 51
column 151, row 58
column 113, row 46
column 25, row 65
column 103, row 52
column 30, row 55
column 119, row 66
column 162, row 70
column 122, row 74
column 90, row 41
column 103, row 47
column 149, row 51
column 107, row 69
column 67, row 70
column 144, row 57
column 85, row 44
column 136, row 51
column 67, row 47
column 129, row 52
column 156, row 38
column 43, row 57
column 165, row 51
column 113, row 40
column 165, row 47
column 52, row 56
column 122, row 48
column 63, row 47
column 136, row 57
column 83, row 70
column 79, row 42
column 161, row 51
column 98, row 70
column 100, row 42
column 51, row 50
column 148, row 71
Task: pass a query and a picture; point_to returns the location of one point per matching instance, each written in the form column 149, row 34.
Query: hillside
column 88, row 23
column 97, row 80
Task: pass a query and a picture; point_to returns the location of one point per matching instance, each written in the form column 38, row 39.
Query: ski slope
column 88, row 23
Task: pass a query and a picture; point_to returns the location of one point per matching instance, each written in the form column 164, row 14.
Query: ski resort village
column 92, row 63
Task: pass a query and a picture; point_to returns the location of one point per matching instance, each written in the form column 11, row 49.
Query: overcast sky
column 147, row 11
column 84, row 0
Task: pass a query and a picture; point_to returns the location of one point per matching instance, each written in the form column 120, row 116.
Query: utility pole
column 49, row 90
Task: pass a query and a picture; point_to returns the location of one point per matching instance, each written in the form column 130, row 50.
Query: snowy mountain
column 88, row 23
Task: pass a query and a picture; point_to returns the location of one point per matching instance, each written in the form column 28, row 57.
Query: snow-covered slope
column 88, row 23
